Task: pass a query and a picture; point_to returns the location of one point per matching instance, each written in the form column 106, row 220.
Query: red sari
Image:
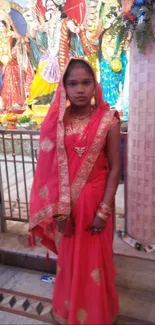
column 84, row 291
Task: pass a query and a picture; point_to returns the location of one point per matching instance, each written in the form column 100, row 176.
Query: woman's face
column 80, row 86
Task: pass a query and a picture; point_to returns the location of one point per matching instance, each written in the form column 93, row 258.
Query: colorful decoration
column 11, row 121
column 136, row 19
column 110, row 81
column 59, row 30
column 54, row 30
column 15, row 71
column 112, row 55
column 64, row 48
column 5, row 39
column 126, row 6
column 116, row 65
column 18, row 75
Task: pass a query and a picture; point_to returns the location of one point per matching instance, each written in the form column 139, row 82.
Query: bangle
column 104, row 212
column 101, row 216
column 106, row 207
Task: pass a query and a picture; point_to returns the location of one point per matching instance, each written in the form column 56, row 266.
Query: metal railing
column 18, row 157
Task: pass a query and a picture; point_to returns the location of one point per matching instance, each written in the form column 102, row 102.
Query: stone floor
column 11, row 319
column 24, row 281
column 28, row 282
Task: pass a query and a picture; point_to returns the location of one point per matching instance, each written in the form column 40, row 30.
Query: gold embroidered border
column 78, row 129
column 64, row 187
column 57, row 238
column 63, row 206
column 92, row 155
column 48, row 212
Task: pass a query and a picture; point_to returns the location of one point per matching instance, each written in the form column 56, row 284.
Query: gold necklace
column 81, row 150
column 80, row 119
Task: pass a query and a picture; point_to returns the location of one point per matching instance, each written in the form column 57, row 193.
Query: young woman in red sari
column 72, row 197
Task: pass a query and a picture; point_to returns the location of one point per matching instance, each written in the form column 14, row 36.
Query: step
column 122, row 320
column 137, row 304
column 14, row 251
column 134, row 269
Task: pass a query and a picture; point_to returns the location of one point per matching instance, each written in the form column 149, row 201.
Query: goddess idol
column 63, row 23
column 17, row 72
column 46, row 17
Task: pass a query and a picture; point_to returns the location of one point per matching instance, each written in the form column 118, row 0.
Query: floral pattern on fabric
column 44, row 192
column 96, row 276
column 46, row 145
column 81, row 316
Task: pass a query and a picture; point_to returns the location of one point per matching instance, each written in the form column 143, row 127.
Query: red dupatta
column 52, row 192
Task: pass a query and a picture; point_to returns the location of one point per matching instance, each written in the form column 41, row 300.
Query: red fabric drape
column 41, row 7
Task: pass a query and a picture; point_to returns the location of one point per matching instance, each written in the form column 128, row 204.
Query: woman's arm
column 114, row 158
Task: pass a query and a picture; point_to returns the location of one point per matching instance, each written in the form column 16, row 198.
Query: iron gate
column 18, row 156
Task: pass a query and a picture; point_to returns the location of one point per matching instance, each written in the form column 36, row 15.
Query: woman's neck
column 81, row 111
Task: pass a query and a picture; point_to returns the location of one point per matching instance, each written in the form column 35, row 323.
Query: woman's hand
column 61, row 226
column 98, row 225
column 66, row 226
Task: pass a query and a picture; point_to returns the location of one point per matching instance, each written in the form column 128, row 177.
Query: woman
column 72, row 197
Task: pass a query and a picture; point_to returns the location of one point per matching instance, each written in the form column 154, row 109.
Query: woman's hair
column 73, row 63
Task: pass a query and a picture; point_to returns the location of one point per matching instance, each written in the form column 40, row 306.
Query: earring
column 93, row 102
column 68, row 103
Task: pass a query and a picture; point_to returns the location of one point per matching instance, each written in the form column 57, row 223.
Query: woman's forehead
column 79, row 72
